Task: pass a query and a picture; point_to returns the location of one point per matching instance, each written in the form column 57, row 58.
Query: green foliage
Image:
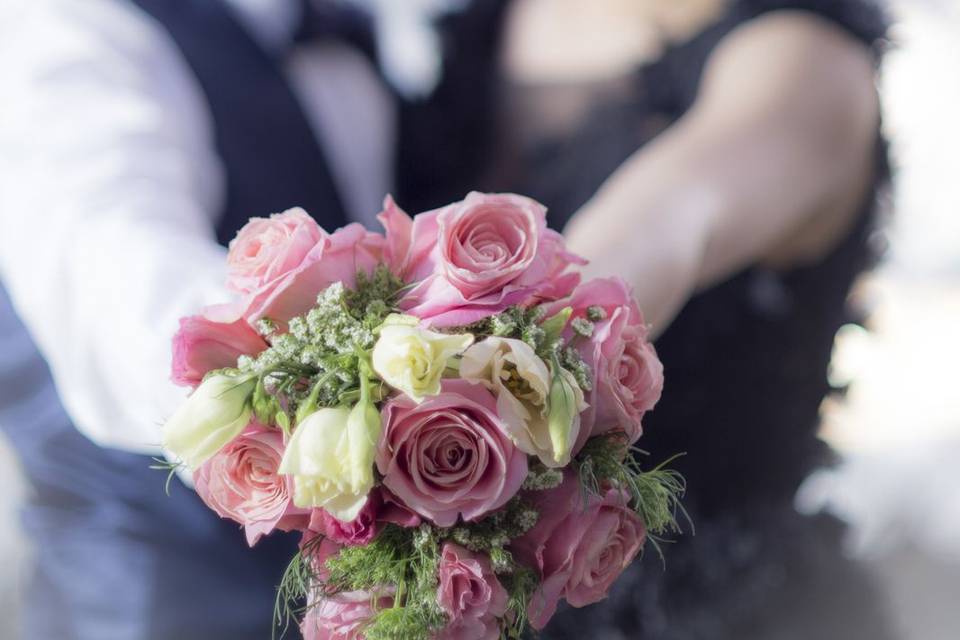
column 404, row 558
column 396, row 623
column 375, row 296
column 609, row 461
column 170, row 467
column 382, row 562
column 520, row 586
column 295, row 585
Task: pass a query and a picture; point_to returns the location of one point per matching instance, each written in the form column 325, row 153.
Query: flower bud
column 412, row 359
column 363, row 433
column 330, row 457
column 566, row 403
column 214, row 414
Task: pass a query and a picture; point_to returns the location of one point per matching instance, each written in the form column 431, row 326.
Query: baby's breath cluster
column 495, row 531
column 319, row 357
column 541, row 477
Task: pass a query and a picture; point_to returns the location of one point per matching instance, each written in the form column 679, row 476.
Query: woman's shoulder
column 865, row 20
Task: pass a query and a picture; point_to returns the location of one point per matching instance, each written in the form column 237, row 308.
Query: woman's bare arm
column 769, row 165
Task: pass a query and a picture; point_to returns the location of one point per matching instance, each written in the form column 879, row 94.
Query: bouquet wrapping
column 445, row 412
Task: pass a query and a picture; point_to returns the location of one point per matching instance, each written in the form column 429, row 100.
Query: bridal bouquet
column 444, row 412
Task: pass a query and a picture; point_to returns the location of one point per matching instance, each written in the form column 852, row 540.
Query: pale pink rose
column 492, row 251
column 336, row 257
column 343, row 616
column 291, row 280
column 241, row 482
column 409, row 245
column 470, row 594
column 202, row 345
column 578, row 548
column 627, row 374
column 399, row 230
column 266, row 249
column 380, row 509
column 450, row 455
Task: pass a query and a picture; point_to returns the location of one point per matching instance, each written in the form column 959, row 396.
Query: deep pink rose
column 288, row 286
column 343, row 616
column 266, row 249
column 470, row 594
column 381, row 508
column 579, row 549
column 492, row 251
column 202, row 345
column 450, row 455
column 241, row 482
column 627, row 374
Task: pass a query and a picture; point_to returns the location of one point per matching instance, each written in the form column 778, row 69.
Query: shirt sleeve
column 109, row 184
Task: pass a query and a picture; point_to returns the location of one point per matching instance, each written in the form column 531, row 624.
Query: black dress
column 745, row 361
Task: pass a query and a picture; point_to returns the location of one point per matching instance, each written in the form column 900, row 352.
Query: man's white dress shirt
column 110, row 188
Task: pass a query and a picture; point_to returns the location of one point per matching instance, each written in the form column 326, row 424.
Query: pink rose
column 470, row 594
column 343, row 616
column 493, row 251
column 381, row 508
column 409, row 244
column 241, row 482
column 579, row 549
column 266, row 249
column 202, row 345
column 450, row 455
column 399, row 236
column 627, row 374
column 281, row 279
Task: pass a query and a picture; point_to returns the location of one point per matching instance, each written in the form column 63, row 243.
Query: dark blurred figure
column 725, row 158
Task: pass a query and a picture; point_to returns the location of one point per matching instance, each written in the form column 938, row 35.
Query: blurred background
column 898, row 427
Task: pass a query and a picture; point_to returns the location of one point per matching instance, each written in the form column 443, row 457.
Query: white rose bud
column 412, row 359
column 214, row 414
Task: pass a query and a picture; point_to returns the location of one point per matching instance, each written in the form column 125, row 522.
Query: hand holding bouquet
column 445, row 412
